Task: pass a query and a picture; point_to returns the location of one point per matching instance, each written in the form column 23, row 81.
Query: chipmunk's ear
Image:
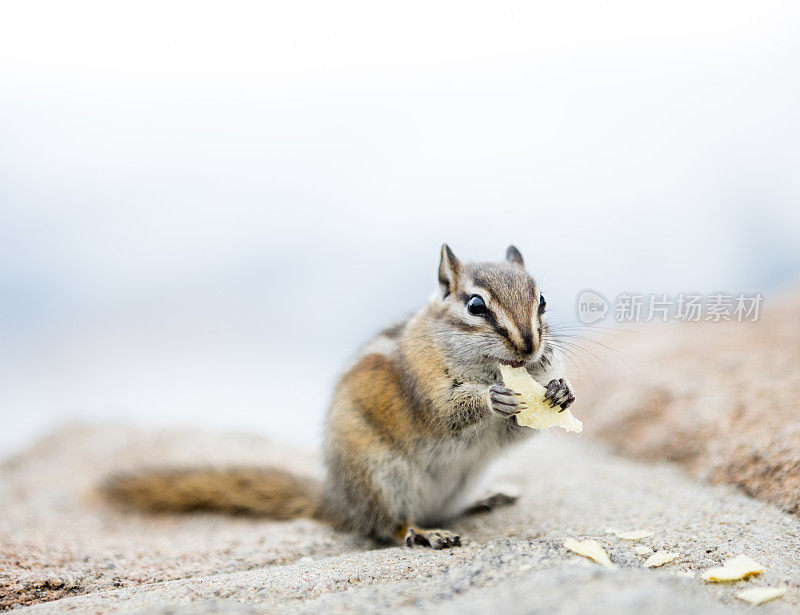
column 449, row 268
column 513, row 256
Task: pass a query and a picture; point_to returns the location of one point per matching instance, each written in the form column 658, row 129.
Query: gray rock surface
column 59, row 543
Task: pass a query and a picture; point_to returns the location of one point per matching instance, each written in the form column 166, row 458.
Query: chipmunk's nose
column 523, row 342
column 530, row 342
column 527, row 339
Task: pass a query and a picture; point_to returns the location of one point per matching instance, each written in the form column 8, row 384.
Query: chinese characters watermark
column 632, row 307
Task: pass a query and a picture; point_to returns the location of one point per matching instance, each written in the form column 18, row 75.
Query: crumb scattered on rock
column 734, row 569
column 591, row 549
column 659, row 558
column 634, row 535
column 759, row 595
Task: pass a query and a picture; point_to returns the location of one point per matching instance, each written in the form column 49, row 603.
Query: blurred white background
column 196, row 200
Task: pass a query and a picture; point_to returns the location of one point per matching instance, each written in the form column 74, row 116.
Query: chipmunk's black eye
column 476, row 306
column 542, row 304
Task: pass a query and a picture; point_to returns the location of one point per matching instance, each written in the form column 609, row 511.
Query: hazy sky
column 196, row 200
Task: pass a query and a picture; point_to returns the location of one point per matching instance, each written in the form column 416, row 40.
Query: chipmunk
column 413, row 421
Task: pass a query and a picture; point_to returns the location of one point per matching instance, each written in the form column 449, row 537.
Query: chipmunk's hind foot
column 435, row 539
column 493, row 501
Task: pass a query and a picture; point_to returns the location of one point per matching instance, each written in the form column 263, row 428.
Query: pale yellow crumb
column 734, row 569
column 659, row 558
column 642, row 550
column 591, row 549
column 636, row 535
column 539, row 414
column 759, row 595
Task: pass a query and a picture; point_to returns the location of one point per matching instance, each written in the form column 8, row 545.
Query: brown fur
column 266, row 492
column 375, row 387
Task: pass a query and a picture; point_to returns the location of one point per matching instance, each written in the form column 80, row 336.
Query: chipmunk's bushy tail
column 267, row 492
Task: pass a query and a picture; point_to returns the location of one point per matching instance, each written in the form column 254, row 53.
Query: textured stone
column 58, row 541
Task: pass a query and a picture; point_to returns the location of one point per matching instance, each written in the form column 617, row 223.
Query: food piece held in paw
column 539, row 414
column 659, row 558
column 759, row 595
column 591, row 549
column 635, row 535
column 734, row 569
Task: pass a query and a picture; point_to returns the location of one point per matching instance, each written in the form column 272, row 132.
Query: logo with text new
column 591, row 307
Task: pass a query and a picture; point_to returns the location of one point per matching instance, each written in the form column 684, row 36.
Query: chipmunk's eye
column 542, row 304
column 476, row 306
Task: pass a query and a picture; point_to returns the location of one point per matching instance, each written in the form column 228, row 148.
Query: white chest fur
column 442, row 476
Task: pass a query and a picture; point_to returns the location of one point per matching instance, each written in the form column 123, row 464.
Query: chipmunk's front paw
column 504, row 401
column 435, row 539
column 559, row 393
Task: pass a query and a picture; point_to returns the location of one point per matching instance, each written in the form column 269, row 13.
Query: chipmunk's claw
column 559, row 393
column 504, row 401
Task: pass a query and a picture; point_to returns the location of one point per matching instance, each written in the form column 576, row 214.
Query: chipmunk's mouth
column 512, row 363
